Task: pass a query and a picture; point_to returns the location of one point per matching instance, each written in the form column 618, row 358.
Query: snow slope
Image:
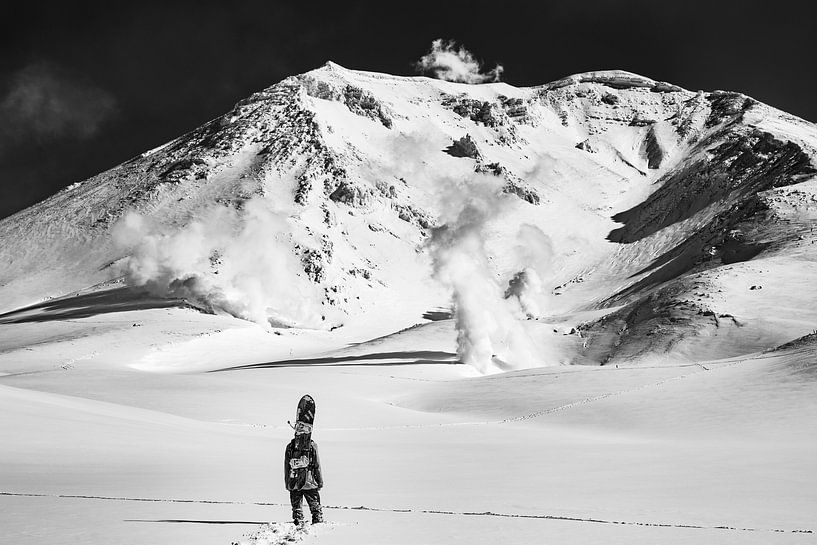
column 582, row 454
column 644, row 196
column 161, row 320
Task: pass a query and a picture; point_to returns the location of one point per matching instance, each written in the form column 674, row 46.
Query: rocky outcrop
column 464, row 147
column 727, row 106
column 615, row 79
column 652, row 150
column 359, row 101
column 491, row 114
column 586, row 145
column 514, row 185
column 351, row 194
column 730, row 237
column 653, row 324
column 503, row 114
column 414, row 215
column 747, row 162
column 364, row 104
column 185, row 169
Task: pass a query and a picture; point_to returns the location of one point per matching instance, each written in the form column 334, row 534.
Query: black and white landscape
column 579, row 312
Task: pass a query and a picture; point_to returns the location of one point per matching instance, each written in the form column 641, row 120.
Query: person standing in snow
column 302, row 474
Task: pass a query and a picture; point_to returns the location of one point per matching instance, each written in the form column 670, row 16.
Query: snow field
column 424, row 448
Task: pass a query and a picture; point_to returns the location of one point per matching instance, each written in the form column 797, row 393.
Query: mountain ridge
column 356, row 169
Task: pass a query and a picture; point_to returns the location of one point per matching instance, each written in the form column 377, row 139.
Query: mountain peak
column 331, row 65
column 604, row 188
column 616, row 79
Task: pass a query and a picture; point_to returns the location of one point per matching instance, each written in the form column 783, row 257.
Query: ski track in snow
column 591, row 520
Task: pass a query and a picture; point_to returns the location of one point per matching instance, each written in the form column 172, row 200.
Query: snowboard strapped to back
column 302, row 455
column 306, row 410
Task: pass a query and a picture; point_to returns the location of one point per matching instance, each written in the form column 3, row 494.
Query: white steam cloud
column 490, row 334
column 445, row 60
column 237, row 262
column 534, row 258
column 43, row 101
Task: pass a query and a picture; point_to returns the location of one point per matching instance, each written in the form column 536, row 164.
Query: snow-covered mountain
column 329, row 225
column 617, row 216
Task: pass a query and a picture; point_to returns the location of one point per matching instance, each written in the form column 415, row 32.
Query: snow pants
column 313, row 499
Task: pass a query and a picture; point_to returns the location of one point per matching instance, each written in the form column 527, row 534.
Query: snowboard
column 306, row 410
column 305, row 413
column 301, row 454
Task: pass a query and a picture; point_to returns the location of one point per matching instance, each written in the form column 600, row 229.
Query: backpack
column 300, row 464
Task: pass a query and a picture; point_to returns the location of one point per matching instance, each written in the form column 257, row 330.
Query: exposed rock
column 478, row 111
column 351, row 194
column 313, row 264
column 302, row 189
column 524, row 192
column 727, row 106
column 652, row 149
column 385, row 189
column 639, row 121
column 318, row 88
column 664, row 87
column 744, row 164
column 652, row 324
column 315, row 260
column 615, row 79
column 411, row 214
column 516, row 109
column 809, row 340
column 728, row 238
column 514, row 185
column 586, row 145
column 359, row 101
column 185, row 168
column 464, row 147
column 364, row 104
column 609, row 98
column 465, row 107
column 503, row 112
column 363, row 273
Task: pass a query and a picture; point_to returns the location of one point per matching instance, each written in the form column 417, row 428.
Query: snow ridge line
column 421, row 511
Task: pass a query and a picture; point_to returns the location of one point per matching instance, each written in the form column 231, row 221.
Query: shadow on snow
column 88, row 305
column 404, row 358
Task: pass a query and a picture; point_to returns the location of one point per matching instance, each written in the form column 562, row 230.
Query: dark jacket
column 302, row 467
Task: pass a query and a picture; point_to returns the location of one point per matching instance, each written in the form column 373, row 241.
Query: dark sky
column 85, row 86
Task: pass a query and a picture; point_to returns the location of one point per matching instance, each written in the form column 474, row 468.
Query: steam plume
column 445, row 60
column 241, row 263
column 43, row 101
column 534, row 258
column 489, row 332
